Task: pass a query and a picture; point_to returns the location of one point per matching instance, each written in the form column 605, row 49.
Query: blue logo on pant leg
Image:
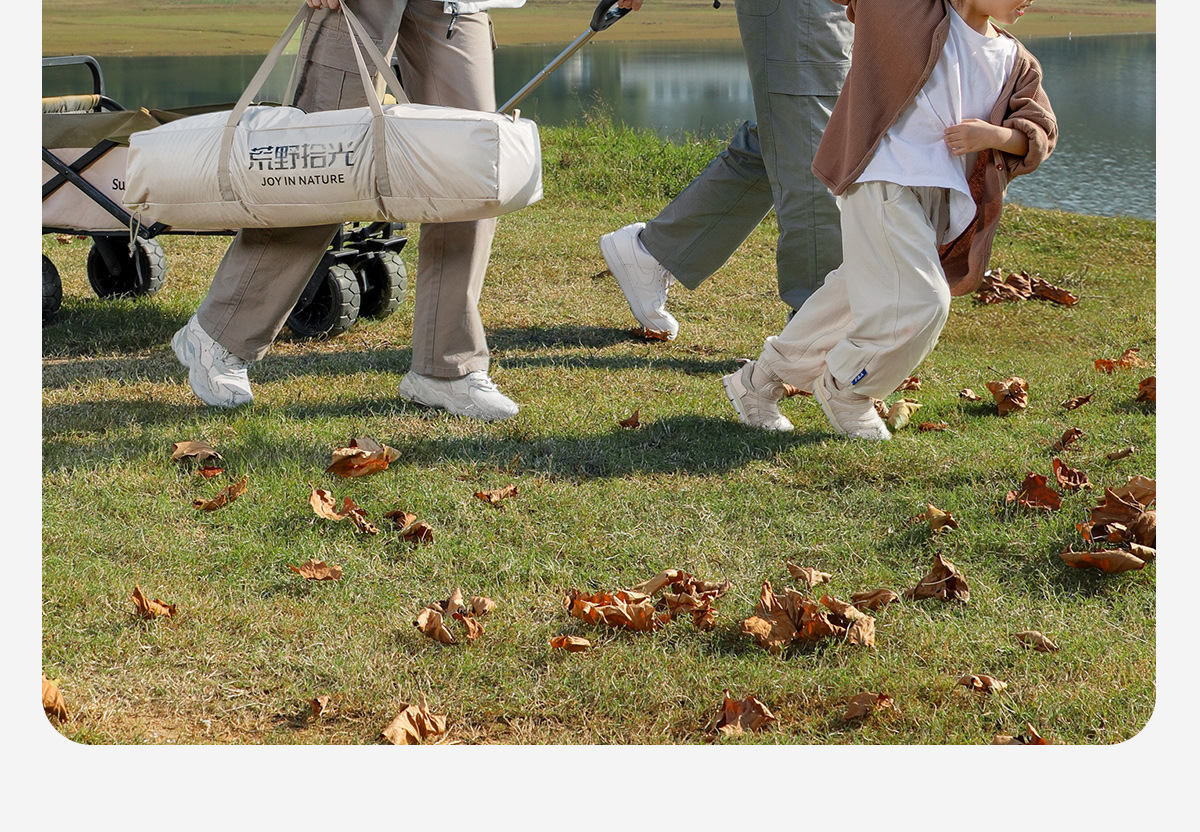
column 859, row 378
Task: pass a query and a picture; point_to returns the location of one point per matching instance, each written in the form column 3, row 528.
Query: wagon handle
column 605, row 15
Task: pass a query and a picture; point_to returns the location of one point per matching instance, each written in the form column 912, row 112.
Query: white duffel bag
column 274, row 166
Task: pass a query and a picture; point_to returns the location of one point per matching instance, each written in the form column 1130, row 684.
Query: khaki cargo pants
column 265, row 270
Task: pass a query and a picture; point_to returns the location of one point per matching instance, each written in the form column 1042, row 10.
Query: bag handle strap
column 304, row 16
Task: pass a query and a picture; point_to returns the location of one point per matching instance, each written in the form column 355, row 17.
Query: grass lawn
column 215, row 27
column 599, row 507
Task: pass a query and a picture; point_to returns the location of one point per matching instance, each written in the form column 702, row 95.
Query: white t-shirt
column 967, row 80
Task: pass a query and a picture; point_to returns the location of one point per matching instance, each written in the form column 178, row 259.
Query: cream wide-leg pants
column 879, row 314
column 265, row 270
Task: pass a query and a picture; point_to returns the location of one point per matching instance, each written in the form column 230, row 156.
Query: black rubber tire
column 107, row 283
column 333, row 307
column 384, row 280
column 51, row 289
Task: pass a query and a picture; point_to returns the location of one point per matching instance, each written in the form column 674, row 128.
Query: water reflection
column 1102, row 89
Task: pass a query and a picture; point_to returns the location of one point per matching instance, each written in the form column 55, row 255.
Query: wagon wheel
column 51, row 289
column 330, row 303
column 384, row 283
column 112, row 271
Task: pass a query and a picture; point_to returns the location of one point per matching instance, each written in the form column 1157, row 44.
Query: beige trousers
column 879, row 314
column 265, row 270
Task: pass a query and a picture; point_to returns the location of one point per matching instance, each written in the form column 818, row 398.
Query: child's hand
column 974, row 135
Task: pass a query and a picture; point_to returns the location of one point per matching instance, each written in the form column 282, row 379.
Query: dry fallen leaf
column 933, row 426
column 1077, row 401
column 969, row 395
column 1110, row 561
column 874, row 599
column 1011, row 395
column 319, row 706
column 1121, row 454
column 414, row 725
column 52, row 701
column 432, row 623
column 495, row 495
column 944, row 581
column 1124, row 361
column 939, row 520
column 633, row 421
column 572, row 644
column 323, row 504
column 224, row 498
column 361, row 457
column 196, row 450
column 1035, row 493
column 1034, row 639
column 780, row 620
column 317, row 570
column 653, row 334
column 623, row 608
column 1069, row 437
column 411, row 529
column 900, row 412
column 147, row 608
column 910, row 383
column 1069, row 478
column 865, row 704
column 739, row 716
column 808, row 574
column 1030, row 737
column 1147, row 390
column 982, row 683
column 432, row 619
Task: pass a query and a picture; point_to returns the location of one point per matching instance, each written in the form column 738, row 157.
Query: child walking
column 940, row 110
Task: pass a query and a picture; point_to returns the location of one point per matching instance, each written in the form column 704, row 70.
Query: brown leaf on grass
column 1035, row 640
column 324, row 505
column 361, row 457
column 780, row 620
column 933, row 426
column 1124, row 361
column 623, row 608
column 652, row 334
column 808, row 574
column 210, row 471
column 225, row 497
column 982, row 683
column 317, row 570
column 910, row 383
column 1011, row 395
column 52, row 701
column 687, row 594
column 1030, row 737
column 1142, row 489
column 432, row 619
column 472, row 625
column 944, row 582
column 1077, row 401
column 874, row 599
column 572, row 644
column 939, row 520
column 633, row 421
column 1069, row 438
column 1071, row 479
column 196, row 450
column 481, row 606
column 865, row 704
column 1110, row 561
column 881, row 408
column 411, row 529
column 1036, row 494
column 432, row 623
column 969, row 395
column 900, row 412
column 495, row 495
column 319, row 706
column 789, row 391
column 148, row 608
column 1121, row 454
column 859, row 628
column 995, row 288
column 738, row 716
column 414, row 725
column 1043, row 290
column 1147, row 390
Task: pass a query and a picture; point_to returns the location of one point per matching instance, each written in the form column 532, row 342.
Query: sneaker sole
column 414, row 397
column 609, row 250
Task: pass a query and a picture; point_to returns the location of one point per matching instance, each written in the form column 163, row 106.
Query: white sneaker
column 852, row 414
column 757, row 407
column 216, row 375
column 473, row 395
column 642, row 278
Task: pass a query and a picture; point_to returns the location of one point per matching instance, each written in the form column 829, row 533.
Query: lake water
column 1102, row 90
